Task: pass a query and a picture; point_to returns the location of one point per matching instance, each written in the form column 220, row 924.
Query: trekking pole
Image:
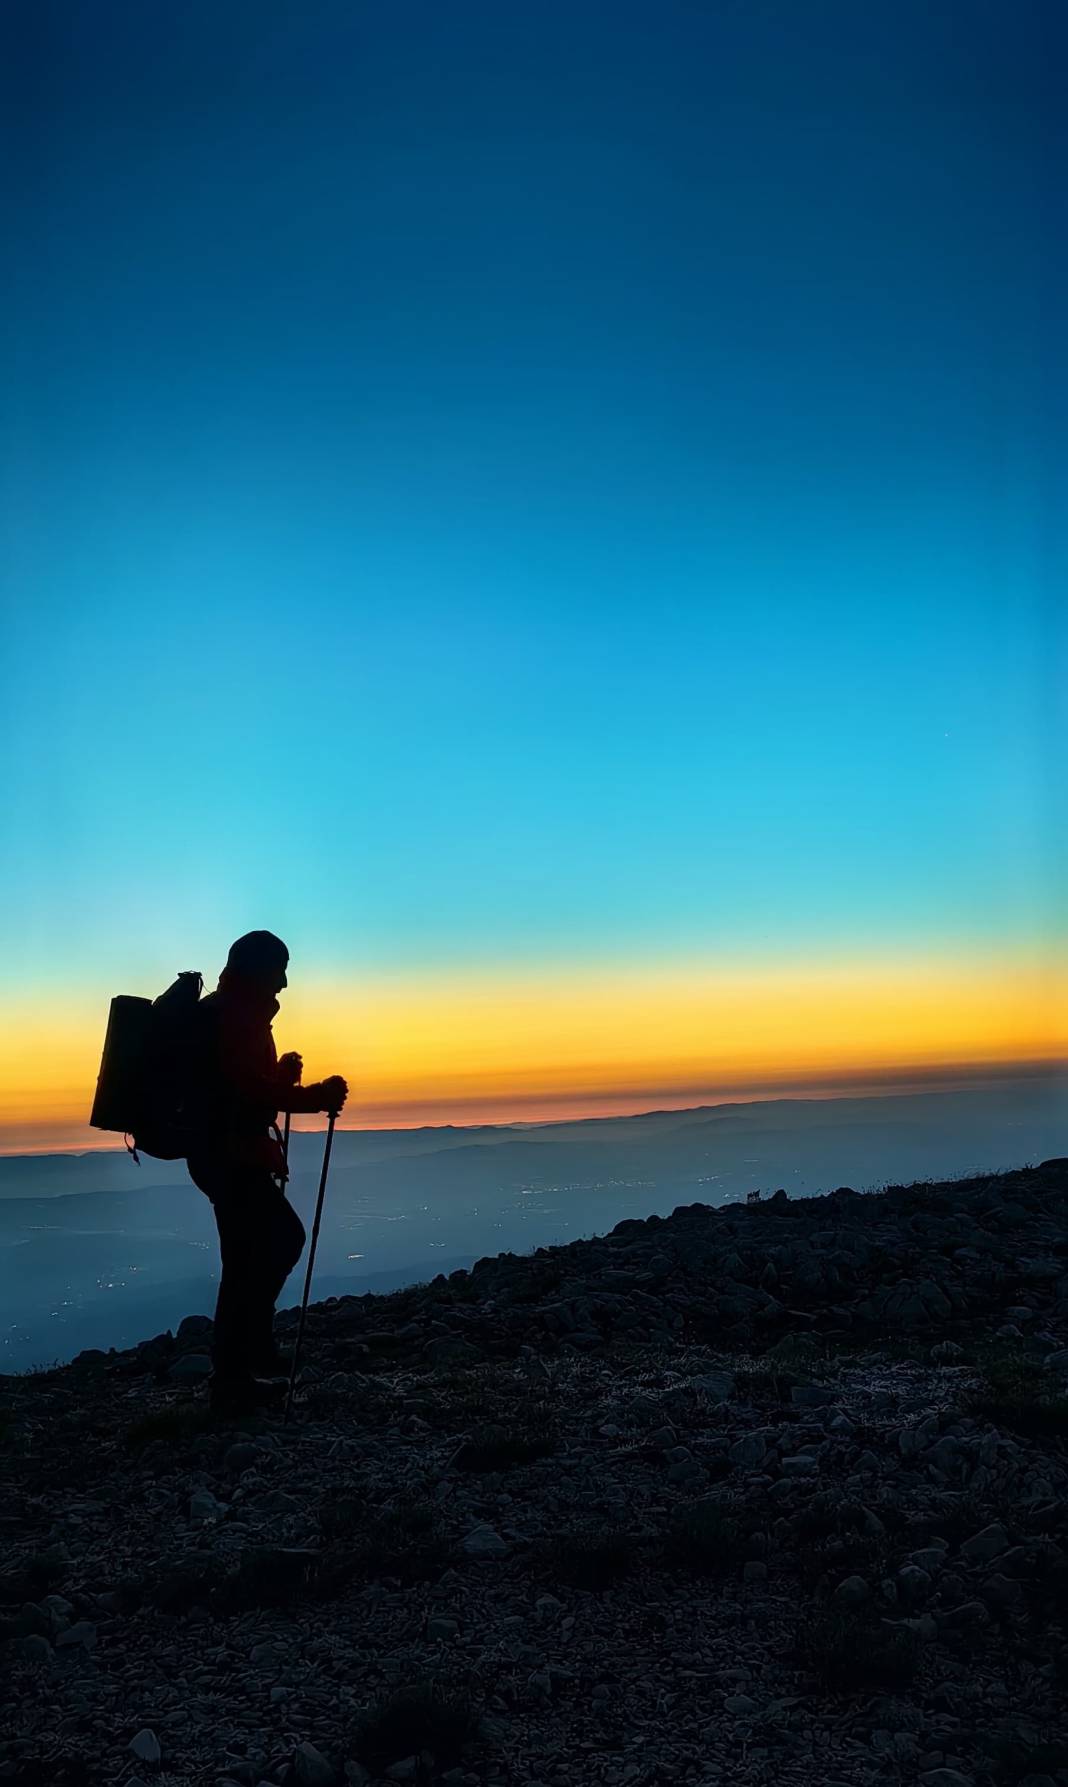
column 285, row 1148
column 311, row 1263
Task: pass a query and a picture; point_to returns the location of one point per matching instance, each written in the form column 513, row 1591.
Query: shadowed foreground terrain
column 750, row 1495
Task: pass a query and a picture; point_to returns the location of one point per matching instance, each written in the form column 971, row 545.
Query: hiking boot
column 244, row 1396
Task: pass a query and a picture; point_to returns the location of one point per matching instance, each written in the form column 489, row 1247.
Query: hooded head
column 257, row 960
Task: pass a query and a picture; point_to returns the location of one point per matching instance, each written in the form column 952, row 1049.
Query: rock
column 911, row 1304
column 242, row 1456
column 718, row 1386
column 988, row 1544
column 799, row 1465
column 755, row 1570
column 946, row 1353
column 749, row 1451
column 146, row 1747
column 35, row 1649
column 853, row 1592
column 447, row 1351
column 190, row 1368
column 914, row 1584
column 969, row 1613
column 1057, row 1362
column 91, row 1358
column 405, row 1770
column 83, row 1633
column 812, row 1396
column 440, row 1626
column 945, row 1777
column 484, row 1542
column 1002, row 1591
column 740, row 1703
column 311, row 1768
column 195, row 1327
column 58, row 1610
column 945, row 1455
column 203, row 1506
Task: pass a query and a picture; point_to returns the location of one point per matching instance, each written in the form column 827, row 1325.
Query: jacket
column 235, row 1090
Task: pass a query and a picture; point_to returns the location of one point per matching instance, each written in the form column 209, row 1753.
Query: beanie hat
column 256, row 953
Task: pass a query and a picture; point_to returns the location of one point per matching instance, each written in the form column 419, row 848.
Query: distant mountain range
column 95, row 1250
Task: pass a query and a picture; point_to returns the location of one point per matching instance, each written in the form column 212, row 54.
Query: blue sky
column 512, row 484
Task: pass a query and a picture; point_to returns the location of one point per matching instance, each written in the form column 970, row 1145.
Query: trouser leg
column 260, row 1240
column 284, row 1242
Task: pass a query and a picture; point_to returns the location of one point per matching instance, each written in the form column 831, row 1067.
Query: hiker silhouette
column 237, row 1087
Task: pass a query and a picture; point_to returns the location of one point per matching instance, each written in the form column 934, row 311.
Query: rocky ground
column 738, row 1496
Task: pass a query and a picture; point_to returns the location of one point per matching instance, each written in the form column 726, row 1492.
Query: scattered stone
column 717, row 1386
column 800, row 1464
column 146, row 1747
column 450, row 1352
column 35, row 1649
column 988, row 1544
column 311, row 1768
column 203, row 1506
column 195, row 1327
column 853, row 1592
column 190, row 1368
column 483, row 1541
column 354, row 1573
column 749, row 1451
column 242, row 1456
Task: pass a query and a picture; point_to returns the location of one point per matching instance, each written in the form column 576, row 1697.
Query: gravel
column 608, row 1528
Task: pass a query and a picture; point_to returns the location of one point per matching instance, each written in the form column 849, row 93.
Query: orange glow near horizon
column 480, row 1047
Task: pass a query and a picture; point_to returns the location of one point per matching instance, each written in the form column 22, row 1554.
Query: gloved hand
column 335, row 1091
column 290, row 1068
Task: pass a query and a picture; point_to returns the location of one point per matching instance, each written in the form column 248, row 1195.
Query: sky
column 557, row 511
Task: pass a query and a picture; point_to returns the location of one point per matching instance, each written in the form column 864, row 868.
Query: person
column 237, row 1087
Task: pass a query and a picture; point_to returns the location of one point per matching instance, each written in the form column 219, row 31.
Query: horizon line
column 813, row 1087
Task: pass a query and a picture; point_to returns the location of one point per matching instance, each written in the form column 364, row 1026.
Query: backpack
column 144, row 1077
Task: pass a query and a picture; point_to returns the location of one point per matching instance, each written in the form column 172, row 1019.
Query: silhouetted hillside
column 770, row 1492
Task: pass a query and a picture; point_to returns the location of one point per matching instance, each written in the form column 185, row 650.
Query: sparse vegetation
column 435, row 1716
column 763, row 1386
column 494, row 1448
column 403, row 1541
column 592, row 1557
column 1018, row 1394
column 271, row 1576
column 175, row 1425
column 704, row 1539
column 856, row 1652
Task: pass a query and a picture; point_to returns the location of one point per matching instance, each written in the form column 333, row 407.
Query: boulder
column 191, row 1368
column 146, row 1747
column 311, row 1768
